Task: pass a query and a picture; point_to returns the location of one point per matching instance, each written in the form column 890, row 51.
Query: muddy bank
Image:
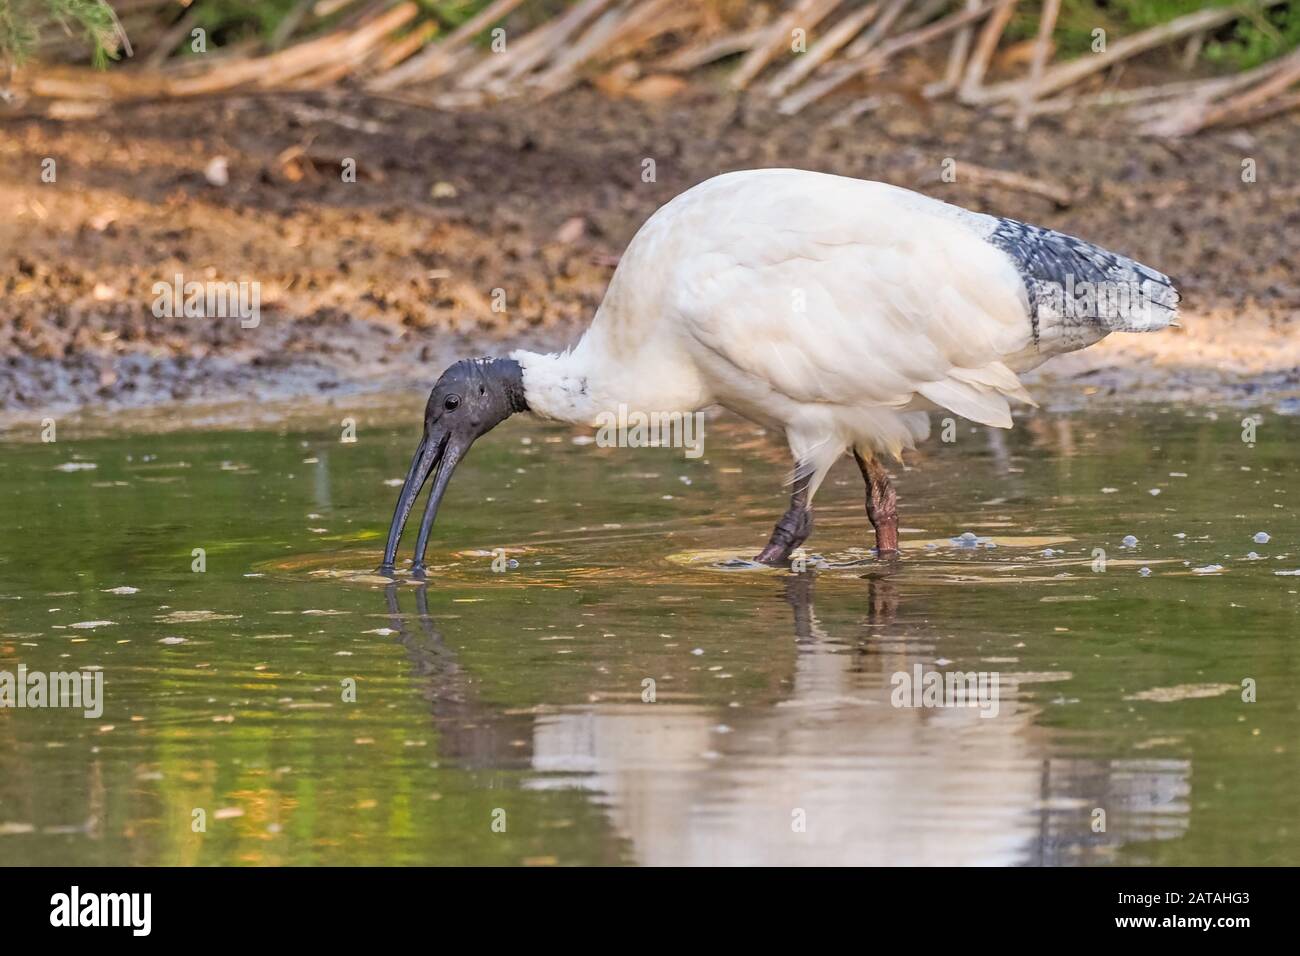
column 470, row 233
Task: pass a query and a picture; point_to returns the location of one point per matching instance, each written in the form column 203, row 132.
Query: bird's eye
column 452, row 403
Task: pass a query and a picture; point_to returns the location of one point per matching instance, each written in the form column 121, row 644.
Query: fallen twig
column 958, row 53
column 1067, row 74
column 1042, row 48
column 1199, row 112
column 805, row 14
column 877, row 58
column 1205, row 90
column 825, row 48
column 693, row 57
column 438, row 58
column 994, row 27
column 1057, row 193
column 608, row 30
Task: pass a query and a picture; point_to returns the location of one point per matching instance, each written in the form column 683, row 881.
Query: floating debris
column 172, row 640
column 1166, row 695
column 194, row 617
column 124, row 589
column 83, row 625
column 1208, row 569
column 1262, row 537
column 1145, row 572
column 76, row 466
column 1129, row 541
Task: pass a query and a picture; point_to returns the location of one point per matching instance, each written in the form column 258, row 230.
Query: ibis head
column 469, row 400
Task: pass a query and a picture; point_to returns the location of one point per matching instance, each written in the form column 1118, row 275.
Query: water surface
column 503, row 716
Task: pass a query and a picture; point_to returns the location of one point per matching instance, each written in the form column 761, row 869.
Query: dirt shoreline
column 375, row 285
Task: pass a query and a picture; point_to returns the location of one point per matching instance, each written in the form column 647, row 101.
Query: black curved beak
column 439, row 452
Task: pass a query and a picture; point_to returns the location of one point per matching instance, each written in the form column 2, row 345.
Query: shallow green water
column 499, row 717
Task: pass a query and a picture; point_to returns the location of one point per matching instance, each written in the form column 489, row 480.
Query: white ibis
column 837, row 310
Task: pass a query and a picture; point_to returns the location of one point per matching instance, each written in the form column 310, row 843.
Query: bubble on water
column 1252, row 556
column 1262, row 537
column 124, row 589
column 1129, row 541
column 967, row 539
column 1145, row 572
column 1208, row 569
column 1180, row 535
column 1109, row 491
column 1047, row 552
column 512, row 563
column 698, row 651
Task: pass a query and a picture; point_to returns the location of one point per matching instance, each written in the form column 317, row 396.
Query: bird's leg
column 793, row 528
column 882, row 503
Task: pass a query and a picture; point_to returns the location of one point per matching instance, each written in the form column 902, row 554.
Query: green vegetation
column 23, row 21
column 1242, row 44
column 1248, row 41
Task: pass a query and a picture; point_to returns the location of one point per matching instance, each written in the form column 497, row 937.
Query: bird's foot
column 386, row 570
column 887, row 541
column 775, row 555
column 790, row 532
column 419, row 572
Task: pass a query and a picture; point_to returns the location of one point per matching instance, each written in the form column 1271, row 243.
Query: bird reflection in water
column 831, row 773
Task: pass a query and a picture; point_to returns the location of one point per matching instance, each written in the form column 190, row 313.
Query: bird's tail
column 1078, row 292
column 1126, row 297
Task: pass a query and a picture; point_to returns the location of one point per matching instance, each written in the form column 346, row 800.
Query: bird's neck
column 563, row 386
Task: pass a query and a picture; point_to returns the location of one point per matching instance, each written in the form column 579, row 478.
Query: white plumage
column 836, row 309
